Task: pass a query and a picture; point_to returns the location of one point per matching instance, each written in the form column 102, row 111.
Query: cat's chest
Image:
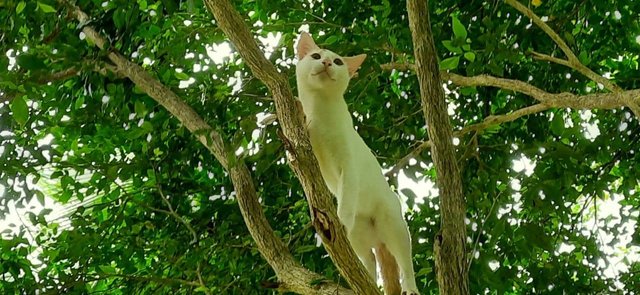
column 328, row 138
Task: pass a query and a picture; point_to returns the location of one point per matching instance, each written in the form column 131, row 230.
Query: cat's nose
column 326, row 62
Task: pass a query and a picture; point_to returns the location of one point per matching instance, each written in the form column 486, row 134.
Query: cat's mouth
column 323, row 72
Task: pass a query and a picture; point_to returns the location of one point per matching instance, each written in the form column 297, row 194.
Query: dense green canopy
column 552, row 192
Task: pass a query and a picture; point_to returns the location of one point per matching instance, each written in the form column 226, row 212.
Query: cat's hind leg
column 394, row 234
column 362, row 243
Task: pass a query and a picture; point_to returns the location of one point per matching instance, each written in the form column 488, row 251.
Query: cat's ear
column 305, row 45
column 354, row 62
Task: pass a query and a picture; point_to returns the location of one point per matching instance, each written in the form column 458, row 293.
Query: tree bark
column 450, row 242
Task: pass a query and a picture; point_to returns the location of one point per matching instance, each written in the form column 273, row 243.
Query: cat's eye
column 338, row 61
column 316, row 56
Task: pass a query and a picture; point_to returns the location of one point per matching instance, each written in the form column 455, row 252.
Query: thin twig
column 201, row 281
column 176, row 215
column 486, row 123
column 481, row 228
column 572, row 61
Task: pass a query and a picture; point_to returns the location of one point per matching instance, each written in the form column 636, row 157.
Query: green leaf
column 450, row 63
column 107, row 269
column 147, row 126
column 119, row 18
column 32, row 217
column 20, row 7
column 79, row 102
column 46, row 8
column 143, row 4
column 424, row 271
column 557, row 124
column 470, row 56
column 181, row 76
column 332, row 39
column 458, row 29
column 139, row 108
column 452, row 48
column 40, row 197
column 584, row 58
column 20, row 110
column 153, row 31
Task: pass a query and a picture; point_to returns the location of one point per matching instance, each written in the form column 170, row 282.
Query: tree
column 139, row 110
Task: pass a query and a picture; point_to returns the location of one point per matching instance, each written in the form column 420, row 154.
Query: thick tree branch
column 450, row 243
column 293, row 277
column 296, row 140
column 572, row 61
column 626, row 98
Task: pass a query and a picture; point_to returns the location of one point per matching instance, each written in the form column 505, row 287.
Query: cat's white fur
column 367, row 207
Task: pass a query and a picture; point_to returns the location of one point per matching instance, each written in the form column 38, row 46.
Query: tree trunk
column 449, row 246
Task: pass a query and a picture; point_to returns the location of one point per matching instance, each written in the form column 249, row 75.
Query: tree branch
column 572, row 61
column 293, row 277
column 486, row 123
column 302, row 160
column 626, row 98
column 450, row 242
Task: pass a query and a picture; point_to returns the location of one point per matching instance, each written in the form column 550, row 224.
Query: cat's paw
column 410, row 292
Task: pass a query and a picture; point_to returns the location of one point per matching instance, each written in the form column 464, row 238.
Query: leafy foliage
column 158, row 212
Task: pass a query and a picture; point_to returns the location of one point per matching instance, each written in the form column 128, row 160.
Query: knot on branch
column 288, row 146
column 323, row 224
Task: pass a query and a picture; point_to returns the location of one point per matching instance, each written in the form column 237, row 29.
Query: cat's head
column 321, row 69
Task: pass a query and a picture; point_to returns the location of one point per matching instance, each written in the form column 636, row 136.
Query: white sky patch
column 218, row 53
column 12, row 58
column 270, row 43
column 590, row 130
column 617, row 15
column 186, row 83
column 264, row 119
column 423, row 188
column 524, row 164
column 638, row 39
column 46, row 140
column 236, row 82
column 565, row 248
column 494, row 265
column 599, row 218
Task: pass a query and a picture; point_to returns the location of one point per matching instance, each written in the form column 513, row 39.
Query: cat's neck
column 321, row 104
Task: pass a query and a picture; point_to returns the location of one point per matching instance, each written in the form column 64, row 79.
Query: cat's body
column 367, row 207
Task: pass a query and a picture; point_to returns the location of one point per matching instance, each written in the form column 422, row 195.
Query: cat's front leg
column 347, row 195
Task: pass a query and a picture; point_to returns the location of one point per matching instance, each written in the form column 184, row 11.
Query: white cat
column 367, row 207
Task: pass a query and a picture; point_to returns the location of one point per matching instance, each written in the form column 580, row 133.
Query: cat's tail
column 389, row 271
